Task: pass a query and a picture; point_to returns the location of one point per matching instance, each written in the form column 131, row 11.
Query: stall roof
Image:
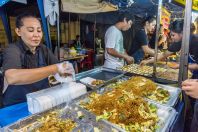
column 139, row 8
column 86, row 6
column 3, row 2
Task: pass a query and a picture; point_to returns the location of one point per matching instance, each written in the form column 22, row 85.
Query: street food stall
column 129, row 98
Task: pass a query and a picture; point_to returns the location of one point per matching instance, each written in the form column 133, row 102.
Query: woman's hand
column 145, row 62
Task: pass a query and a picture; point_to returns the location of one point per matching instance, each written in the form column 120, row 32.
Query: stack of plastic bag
column 48, row 98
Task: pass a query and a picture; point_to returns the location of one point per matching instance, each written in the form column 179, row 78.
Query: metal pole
column 58, row 36
column 95, row 34
column 183, row 70
column 58, row 33
column 6, row 23
column 157, row 37
column 48, row 28
column 44, row 22
column 69, row 32
column 79, row 24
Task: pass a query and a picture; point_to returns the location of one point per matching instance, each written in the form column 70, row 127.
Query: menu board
column 183, row 2
column 165, row 18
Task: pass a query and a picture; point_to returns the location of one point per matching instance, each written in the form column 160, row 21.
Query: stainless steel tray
column 65, row 112
column 173, row 91
column 166, row 114
column 100, row 73
column 148, row 74
column 89, row 118
column 174, row 94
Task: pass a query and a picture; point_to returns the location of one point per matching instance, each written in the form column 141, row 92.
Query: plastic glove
column 65, row 68
column 65, row 73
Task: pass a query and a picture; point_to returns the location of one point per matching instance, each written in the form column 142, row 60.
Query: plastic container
column 45, row 99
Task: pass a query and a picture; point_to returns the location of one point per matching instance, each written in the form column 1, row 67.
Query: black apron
column 17, row 93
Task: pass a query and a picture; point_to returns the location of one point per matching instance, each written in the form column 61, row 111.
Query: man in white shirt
column 115, row 54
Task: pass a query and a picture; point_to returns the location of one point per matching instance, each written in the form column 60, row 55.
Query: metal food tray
column 174, row 92
column 166, row 114
column 101, row 73
column 67, row 112
column 156, row 79
column 101, row 125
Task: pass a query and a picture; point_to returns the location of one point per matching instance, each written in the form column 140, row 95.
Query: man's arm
column 124, row 56
column 161, row 56
column 114, row 53
column 193, row 66
column 148, row 50
column 28, row 76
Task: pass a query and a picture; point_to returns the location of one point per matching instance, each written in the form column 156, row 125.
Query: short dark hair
column 126, row 16
column 177, row 26
column 19, row 18
column 148, row 19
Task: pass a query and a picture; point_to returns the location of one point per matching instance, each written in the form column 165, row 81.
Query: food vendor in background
column 140, row 42
column 28, row 63
column 176, row 35
column 77, row 42
column 115, row 54
column 190, row 86
column 162, row 43
column 61, row 51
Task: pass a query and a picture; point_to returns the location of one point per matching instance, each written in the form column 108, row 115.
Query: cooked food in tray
column 124, row 109
column 144, row 87
column 164, row 73
column 169, row 74
column 97, row 82
column 91, row 81
column 137, row 69
column 160, row 95
column 50, row 122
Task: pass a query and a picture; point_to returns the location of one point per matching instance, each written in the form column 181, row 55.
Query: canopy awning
column 3, row 2
column 87, row 6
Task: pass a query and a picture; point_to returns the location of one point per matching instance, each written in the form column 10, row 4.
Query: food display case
column 98, row 77
column 139, row 114
column 164, row 74
column 153, row 115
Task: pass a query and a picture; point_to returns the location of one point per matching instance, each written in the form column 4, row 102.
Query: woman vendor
column 27, row 63
column 140, row 42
